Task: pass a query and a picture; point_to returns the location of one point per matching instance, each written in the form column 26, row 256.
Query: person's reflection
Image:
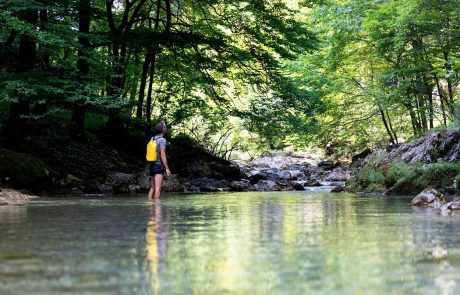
column 157, row 238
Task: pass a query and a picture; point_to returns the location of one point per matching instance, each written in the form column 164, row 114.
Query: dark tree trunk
column 391, row 126
column 84, row 22
column 148, row 111
column 145, row 71
column 42, row 107
column 25, row 62
column 386, row 126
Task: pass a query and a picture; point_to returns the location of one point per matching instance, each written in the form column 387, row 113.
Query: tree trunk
column 145, row 71
column 84, row 22
column 448, row 68
column 391, row 126
column 148, row 111
column 25, row 62
column 386, row 126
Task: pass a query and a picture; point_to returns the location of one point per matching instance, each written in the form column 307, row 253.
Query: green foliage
column 402, row 178
column 383, row 70
column 367, row 179
column 259, row 74
column 398, row 172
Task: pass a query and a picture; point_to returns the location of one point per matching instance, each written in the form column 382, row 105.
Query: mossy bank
column 430, row 161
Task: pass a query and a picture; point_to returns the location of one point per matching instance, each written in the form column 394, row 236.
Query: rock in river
column 338, row 189
column 266, row 185
column 429, row 197
column 12, row 197
column 172, row 184
column 241, row 186
column 451, row 206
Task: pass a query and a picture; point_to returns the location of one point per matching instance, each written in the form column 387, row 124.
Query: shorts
column 156, row 168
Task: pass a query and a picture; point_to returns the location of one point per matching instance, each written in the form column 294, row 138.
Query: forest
column 239, row 77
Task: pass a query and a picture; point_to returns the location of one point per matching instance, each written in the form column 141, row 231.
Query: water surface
column 245, row 243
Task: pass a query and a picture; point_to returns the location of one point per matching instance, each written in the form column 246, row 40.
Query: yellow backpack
column 151, row 150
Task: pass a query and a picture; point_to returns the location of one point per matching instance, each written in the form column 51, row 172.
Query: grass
column 401, row 178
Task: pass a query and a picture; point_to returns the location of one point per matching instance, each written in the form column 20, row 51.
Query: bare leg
column 152, row 188
column 158, row 184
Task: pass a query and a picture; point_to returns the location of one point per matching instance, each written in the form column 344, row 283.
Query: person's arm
column 165, row 161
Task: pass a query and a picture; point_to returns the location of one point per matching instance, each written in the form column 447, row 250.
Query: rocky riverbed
column 59, row 166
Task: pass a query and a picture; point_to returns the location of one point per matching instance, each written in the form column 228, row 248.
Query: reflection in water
column 157, row 239
column 248, row 243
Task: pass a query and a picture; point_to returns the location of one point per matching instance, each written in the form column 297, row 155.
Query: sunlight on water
column 245, row 243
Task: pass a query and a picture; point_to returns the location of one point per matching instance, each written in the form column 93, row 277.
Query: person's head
column 160, row 128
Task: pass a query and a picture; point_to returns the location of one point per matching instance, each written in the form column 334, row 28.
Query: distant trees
column 387, row 70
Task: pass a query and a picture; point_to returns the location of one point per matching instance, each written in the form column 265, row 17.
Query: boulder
column 121, row 182
column 266, row 185
column 338, row 189
column 326, row 165
column 273, row 174
column 172, row 183
column 143, row 179
column 312, row 182
column 93, row 187
column 210, row 185
column 21, row 170
column 429, row 197
column 297, row 167
column 451, row 206
column 189, row 159
column 190, row 189
column 241, row 186
column 338, row 175
column 297, row 186
column 72, row 180
column 282, row 160
column 361, row 155
column 13, row 197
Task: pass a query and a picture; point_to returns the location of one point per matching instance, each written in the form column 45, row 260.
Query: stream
column 229, row 243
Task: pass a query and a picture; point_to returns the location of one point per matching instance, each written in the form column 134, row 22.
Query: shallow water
column 245, row 243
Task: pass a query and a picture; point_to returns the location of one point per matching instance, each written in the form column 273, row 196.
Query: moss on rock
column 23, row 171
column 401, row 178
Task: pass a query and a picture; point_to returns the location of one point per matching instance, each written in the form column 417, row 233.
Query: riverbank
column 49, row 161
column 409, row 168
column 13, row 197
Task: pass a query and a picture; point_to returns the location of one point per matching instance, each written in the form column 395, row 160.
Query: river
column 229, row 243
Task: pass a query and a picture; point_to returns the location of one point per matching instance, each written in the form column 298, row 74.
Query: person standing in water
column 160, row 166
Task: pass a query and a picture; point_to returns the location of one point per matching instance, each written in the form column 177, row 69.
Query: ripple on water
column 253, row 243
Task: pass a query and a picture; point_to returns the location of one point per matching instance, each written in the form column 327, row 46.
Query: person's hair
column 159, row 128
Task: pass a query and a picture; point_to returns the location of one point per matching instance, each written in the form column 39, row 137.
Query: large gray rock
column 273, row 174
column 451, row 206
column 24, row 171
column 172, row 183
column 13, row 197
column 338, row 175
column 338, row 189
column 282, row 161
column 143, row 179
column 241, row 186
column 122, row 182
column 266, row 185
column 210, row 185
column 429, row 197
column 297, row 186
